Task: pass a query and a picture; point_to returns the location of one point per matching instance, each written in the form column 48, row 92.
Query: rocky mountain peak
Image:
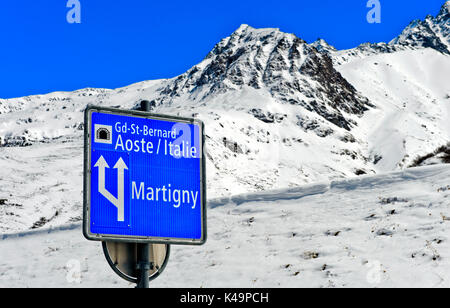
column 322, row 46
column 432, row 32
column 292, row 71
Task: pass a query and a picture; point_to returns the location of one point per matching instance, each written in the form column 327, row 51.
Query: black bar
column 145, row 105
column 143, row 265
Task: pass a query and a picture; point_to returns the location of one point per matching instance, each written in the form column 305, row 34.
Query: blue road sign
column 144, row 177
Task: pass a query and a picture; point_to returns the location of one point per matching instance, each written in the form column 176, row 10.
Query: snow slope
column 411, row 92
column 375, row 231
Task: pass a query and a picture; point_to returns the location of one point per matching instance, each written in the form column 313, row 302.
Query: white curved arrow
column 118, row 202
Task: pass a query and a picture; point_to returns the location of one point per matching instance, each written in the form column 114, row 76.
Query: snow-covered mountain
column 279, row 113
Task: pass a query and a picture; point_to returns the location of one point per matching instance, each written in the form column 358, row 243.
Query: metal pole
column 145, row 106
column 143, row 250
column 143, row 265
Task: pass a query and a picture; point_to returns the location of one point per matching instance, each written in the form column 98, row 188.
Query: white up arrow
column 118, row 202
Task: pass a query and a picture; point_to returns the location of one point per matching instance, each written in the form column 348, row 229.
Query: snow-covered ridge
column 433, row 32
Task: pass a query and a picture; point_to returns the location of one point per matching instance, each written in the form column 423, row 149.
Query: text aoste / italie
column 175, row 143
column 169, row 142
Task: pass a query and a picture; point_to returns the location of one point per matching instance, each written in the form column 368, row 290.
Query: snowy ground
column 41, row 186
column 381, row 231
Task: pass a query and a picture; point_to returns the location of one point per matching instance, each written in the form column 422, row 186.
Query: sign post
column 144, row 265
column 155, row 192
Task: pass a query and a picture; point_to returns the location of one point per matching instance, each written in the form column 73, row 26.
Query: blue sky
column 121, row 42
